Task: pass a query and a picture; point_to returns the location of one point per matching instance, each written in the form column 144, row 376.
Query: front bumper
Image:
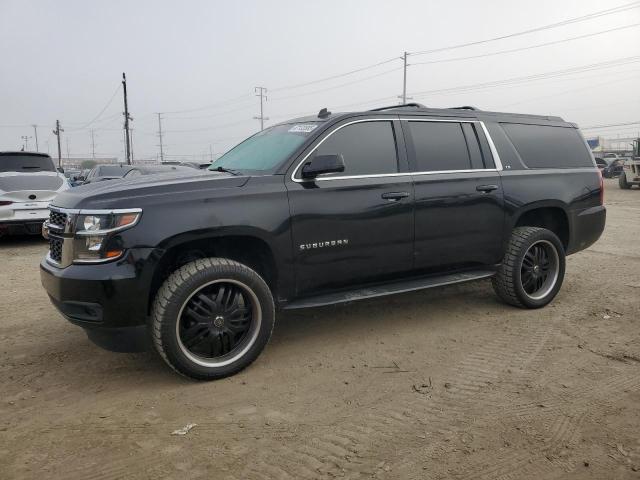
column 107, row 300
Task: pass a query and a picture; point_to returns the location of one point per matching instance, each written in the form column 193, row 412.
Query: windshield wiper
column 228, row 170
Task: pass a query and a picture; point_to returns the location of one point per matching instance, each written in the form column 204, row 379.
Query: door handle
column 486, row 188
column 395, row 195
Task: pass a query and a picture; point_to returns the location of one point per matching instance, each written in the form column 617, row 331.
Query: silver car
column 28, row 183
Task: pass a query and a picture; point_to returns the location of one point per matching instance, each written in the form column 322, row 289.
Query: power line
column 332, row 77
column 610, row 125
column 609, row 11
column 528, row 78
column 534, row 99
column 244, row 97
column 297, row 95
column 456, row 59
column 101, row 111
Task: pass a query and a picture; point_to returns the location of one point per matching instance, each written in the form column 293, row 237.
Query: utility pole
column 160, row 136
column 56, row 132
column 93, row 144
column 262, row 93
column 404, row 79
column 35, row 132
column 211, row 153
column 126, row 119
column 26, row 142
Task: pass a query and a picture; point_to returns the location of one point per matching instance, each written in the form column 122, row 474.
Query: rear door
column 459, row 211
column 355, row 226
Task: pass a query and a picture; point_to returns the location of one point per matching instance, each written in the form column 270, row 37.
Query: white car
column 28, row 183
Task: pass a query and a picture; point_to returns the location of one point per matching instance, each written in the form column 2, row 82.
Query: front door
column 354, row 226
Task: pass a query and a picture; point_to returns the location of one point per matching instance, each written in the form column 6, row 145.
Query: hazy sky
column 64, row 60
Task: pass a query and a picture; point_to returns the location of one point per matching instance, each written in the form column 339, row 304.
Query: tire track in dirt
column 353, row 449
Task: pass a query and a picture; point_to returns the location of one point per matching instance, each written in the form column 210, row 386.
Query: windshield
column 265, row 150
column 26, row 163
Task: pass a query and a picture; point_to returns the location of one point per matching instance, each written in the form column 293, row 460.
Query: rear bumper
column 110, row 300
column 21, row 227
column 587, row 226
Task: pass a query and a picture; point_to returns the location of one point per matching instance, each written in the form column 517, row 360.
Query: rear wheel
column 533, row 268
column 212, row 318
column 622, row 181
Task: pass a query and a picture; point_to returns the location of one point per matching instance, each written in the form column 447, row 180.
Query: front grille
column 57, row 219
column 55, row 249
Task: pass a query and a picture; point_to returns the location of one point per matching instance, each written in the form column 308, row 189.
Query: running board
column 388, row 289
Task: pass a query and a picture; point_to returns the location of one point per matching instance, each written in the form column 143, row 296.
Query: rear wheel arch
column 551, row 217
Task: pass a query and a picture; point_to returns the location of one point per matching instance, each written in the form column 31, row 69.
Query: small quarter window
column 368, row 148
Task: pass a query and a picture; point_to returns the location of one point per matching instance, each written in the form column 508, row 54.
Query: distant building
column 76, row 162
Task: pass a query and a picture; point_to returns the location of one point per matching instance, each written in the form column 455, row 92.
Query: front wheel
column 532, row 270
column 211, row 318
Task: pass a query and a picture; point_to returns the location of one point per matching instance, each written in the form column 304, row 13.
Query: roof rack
column 465, row 107
column 393, row 107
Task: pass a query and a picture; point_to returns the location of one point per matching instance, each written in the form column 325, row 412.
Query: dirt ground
column 444, row 383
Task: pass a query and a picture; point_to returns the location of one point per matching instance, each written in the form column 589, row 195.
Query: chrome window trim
column 492, row 147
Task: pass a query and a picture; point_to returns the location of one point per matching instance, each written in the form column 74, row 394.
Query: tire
column 518, row 278
column 622, row 182
column 211, row 318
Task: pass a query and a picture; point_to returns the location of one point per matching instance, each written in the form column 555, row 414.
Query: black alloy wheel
column 211, row 318
column 217, row 321
column 539, row 270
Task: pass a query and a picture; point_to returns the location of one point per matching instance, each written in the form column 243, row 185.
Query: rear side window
column 368, row 148
column 543, row 146
column 439, row 146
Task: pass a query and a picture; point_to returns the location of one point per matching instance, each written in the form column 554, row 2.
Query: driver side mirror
column 323, row 164
column 60, row 169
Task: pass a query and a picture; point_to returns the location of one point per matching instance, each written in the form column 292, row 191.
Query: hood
column 23, row 186
column 146, row 189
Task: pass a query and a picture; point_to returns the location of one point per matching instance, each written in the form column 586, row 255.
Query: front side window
column 439, row 146
column 368, row 148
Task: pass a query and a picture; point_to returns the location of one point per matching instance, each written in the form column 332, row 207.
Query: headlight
column 93, row 230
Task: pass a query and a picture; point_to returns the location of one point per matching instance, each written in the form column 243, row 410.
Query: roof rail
column 393, row 107
column 465, row 107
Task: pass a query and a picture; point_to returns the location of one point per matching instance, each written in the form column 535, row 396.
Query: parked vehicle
column 157, row 169
column 630, row 173
column 28, row 183
column 183, row 164
column 100, row 173
column 614, row 169
column 317, row 211
column 601, row 163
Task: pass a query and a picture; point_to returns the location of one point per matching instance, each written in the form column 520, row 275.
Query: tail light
column 4, row 203
column 601, row 188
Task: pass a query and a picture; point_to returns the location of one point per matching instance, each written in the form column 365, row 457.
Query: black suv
column 317, row 211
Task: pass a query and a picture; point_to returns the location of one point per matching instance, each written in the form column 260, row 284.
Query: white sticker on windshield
column 309, row 127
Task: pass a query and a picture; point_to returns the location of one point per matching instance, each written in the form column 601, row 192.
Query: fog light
column 94, row 243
